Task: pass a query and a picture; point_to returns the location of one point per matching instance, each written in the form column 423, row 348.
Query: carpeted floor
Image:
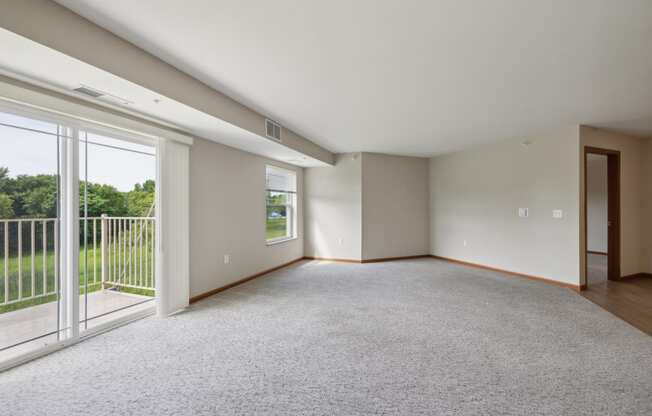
column 409, row 337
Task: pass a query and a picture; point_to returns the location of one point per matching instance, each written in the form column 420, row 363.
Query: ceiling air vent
column 89, row 91
column 101, row 95
column 273, row 130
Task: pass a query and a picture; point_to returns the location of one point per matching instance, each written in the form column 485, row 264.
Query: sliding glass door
column 77, row 229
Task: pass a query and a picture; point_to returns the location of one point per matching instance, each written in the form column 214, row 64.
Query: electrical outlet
column 227, row 258
column 523, row 212
column 557, row 214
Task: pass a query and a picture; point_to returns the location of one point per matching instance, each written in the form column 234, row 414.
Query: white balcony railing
column 115, row 252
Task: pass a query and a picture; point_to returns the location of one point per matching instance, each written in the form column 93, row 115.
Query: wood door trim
column 613, row 254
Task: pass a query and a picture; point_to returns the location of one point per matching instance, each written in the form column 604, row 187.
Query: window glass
column 281, row 204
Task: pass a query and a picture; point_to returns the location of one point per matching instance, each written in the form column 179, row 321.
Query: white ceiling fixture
column 407, row 77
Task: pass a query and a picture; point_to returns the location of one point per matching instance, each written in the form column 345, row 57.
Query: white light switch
column 227, row 258
column 557, row 213
column 523, row 212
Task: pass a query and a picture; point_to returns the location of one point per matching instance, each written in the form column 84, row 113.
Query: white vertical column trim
column 69, row 310
column 172, row 227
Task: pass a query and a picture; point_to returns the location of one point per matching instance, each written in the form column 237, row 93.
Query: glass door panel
column 116, row 264
column 30, row 178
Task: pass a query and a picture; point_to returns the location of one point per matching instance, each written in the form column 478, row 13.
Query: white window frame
column 69, row 319
column 290, row 207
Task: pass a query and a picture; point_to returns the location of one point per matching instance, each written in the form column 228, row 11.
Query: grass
column 276, row 227
column 94, row 274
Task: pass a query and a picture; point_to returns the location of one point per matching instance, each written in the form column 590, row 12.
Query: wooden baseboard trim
column 378, row 260
column 599, row 253
column 241, row 281
column 526, row 276
column 333, row 259
column 636, row 275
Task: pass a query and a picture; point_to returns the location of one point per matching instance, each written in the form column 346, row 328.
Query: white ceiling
column 407, row 77
column 40, row 65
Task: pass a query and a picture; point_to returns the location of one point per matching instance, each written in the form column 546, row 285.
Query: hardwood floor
column 629, row 299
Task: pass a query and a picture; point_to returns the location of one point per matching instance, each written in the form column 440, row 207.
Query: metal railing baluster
column 126, row 259
column 6, row 257
column 20, row 259
column 33, row 255
column 45, row 257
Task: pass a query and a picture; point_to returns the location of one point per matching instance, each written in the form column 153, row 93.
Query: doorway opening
column 601, row 215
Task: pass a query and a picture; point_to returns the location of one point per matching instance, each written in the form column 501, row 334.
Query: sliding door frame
column 68, row 231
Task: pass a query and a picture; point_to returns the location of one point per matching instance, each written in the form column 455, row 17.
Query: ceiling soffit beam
column 52, row 25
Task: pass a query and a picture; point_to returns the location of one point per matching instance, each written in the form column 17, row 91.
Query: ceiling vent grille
column 273, row 130
column 89, row 91
column 101, row 95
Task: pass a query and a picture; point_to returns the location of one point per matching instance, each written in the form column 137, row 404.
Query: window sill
column 280, row 241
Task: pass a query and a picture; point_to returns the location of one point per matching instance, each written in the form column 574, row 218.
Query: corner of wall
column 646, row 208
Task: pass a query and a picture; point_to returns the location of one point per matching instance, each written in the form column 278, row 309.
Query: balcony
column 116, row 275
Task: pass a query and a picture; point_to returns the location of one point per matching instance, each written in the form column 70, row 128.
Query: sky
column 30, row 153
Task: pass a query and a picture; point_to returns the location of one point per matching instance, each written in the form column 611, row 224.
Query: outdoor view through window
column 116, row 230
column 281, row 204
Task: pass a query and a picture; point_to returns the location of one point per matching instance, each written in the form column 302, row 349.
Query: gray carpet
column 409, row 337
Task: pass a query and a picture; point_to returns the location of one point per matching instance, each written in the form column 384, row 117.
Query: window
column 281, row 204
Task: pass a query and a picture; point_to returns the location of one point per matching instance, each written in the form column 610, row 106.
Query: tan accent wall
column 227, row 216
column 368, row 206
column 646, row 209
column 395, row 218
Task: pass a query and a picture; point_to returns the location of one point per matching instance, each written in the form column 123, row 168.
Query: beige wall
column 227, row 216
column 333, row 203
column 597, row 203
column 646, row 207
column 475, row 197
column 367, row 206
column 395, row 218
column 631, row 150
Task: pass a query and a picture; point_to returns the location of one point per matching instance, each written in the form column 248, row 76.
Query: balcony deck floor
column 28, row 323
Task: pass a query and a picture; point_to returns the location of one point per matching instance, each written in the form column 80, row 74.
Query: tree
column 141, row 198
column 102, row 199
column 35, row 196
column 6, row 206
column 4, row 179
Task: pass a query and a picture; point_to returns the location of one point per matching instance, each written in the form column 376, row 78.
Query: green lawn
column 276, row 227
column 93, row 273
